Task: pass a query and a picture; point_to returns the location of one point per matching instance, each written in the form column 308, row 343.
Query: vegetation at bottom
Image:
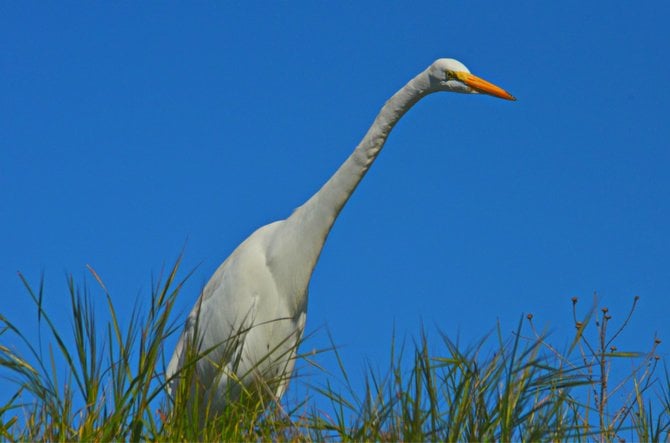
column 106, row 381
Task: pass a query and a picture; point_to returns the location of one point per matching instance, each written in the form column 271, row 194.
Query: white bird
column 251, row 314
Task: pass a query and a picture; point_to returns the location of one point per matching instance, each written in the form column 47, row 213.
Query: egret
column 250, row 316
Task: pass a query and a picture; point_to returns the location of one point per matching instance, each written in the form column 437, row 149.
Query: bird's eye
column 450, row 75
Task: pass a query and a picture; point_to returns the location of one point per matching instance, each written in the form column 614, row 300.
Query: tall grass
column 106, row 381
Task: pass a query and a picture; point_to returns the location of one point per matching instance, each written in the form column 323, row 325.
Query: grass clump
column 107, row 382
column 96, row 384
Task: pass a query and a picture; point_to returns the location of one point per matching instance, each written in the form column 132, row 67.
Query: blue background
column 130, row 130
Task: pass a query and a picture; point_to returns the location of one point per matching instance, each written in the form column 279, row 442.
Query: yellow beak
column 481, row 85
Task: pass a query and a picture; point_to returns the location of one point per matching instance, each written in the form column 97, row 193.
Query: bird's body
column 251, row 314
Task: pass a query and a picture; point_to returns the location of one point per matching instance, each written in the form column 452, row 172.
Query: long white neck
column 315, row 218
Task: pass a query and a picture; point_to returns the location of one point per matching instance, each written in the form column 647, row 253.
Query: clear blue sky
column 129, row 130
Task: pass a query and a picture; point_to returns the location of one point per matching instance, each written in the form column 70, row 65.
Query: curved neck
column 318, row 214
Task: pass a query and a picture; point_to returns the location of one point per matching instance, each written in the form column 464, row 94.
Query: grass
column 106, row 382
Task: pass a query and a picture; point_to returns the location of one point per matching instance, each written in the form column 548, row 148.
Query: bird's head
column 447, row 74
